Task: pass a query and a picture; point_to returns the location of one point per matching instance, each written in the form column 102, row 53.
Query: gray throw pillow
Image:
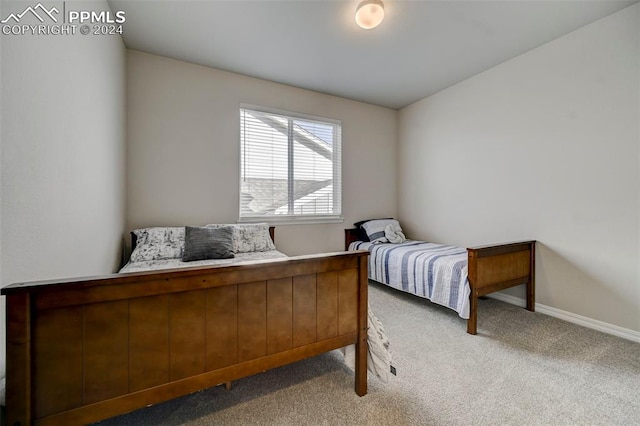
column 202, row 243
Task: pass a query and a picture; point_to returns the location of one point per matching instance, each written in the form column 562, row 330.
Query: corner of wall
column 62, row 179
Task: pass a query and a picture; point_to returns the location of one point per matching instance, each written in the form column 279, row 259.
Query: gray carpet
column 522, row 368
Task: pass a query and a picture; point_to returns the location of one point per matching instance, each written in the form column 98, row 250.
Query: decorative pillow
column 202, row 243
column 249, row 237
column 362, row 234
column 376, row 229
column 253, row 237
column 158, row 243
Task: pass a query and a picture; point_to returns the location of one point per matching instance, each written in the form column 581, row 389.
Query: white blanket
column 378, row 353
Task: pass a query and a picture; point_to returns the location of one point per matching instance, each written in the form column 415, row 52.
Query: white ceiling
column 421, row 47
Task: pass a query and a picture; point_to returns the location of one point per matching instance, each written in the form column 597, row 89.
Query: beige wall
column 63, row 156
column 544, row 146
column 183, row 149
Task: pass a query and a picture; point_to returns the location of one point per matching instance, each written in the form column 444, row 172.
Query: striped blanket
column 433, row 271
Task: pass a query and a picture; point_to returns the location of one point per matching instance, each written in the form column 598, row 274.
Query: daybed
column 84, row 349
column 451, row 276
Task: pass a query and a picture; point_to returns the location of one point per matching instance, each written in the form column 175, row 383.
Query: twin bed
column 451, row 276
column 85, row 349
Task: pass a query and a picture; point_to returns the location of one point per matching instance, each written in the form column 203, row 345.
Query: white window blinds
column 290, row 167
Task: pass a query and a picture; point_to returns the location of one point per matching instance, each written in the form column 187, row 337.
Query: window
column 290, row 167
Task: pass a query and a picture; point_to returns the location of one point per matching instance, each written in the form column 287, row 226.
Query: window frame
column 294, row 219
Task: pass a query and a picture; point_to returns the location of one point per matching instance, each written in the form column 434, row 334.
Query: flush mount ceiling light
column 369, row 14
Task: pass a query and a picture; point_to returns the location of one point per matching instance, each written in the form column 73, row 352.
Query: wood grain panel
column 279, row 315
column 505, row 267
column 113, row 407
column 148, row 342
column 58, row 360
column 106, row 350
column 327, row 306
column 304, row 310
column 347, row 301
column 222, row 327
column 44, row 343
column 187, row 334
column 252, row 321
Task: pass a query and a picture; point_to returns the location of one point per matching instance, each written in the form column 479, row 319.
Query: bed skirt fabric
column 433, row 271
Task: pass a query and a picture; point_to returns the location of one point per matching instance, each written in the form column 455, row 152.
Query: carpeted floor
column 522, row 368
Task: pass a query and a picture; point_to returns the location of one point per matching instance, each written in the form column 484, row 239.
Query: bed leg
column 531, row 285
column 18, row 354
column 227, row 385
column 361, row 366
column 472, row 322
column 363, row 326
column 531, row 304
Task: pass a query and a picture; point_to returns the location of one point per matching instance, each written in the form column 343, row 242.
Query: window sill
column 289, row 220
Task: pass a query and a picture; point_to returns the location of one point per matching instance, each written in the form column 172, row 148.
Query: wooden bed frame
column 491, row 268
column 85, row 349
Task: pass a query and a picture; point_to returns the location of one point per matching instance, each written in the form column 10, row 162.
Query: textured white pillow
column 250, row 237
column 158, row 243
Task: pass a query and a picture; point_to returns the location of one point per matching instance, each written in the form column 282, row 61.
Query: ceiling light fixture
column 369, row 14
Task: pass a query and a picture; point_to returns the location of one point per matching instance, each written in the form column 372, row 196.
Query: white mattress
column 155, row 265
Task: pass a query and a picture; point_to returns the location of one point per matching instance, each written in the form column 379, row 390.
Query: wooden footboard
column 82, row 350
column 497, row 267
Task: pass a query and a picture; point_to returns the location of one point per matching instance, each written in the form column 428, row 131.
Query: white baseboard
column 604, row 327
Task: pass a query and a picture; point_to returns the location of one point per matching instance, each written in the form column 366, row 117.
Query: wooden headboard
column 350, row 235
column 134, row 237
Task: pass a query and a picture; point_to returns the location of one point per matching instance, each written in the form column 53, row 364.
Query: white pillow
column 158, row 243
column 250, row 237
column 375, row 229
